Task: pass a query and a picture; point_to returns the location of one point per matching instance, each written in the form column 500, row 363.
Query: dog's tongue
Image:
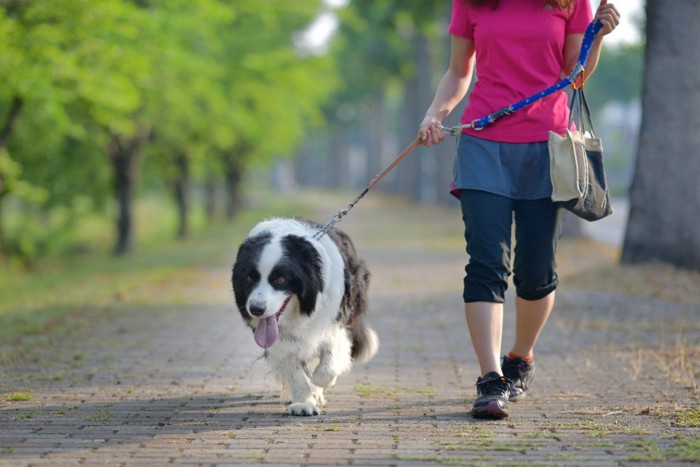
column 266, row 332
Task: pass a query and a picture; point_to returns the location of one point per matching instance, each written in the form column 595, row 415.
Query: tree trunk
column 427, row 188
column 233, row 174
column 665, row 194
column 416, row 172
column 5, row 133
column 3, row 240
column 338, row 160
column 124, row 156
column 11, row 120
column 123, row 188
column 210, row 199
column 376, row 159
column 181, row 188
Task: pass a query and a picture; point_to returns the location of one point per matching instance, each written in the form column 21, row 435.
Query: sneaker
column 520, row 373
column 491, row 396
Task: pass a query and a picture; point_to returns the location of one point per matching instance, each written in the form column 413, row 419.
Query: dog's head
column 272, row 273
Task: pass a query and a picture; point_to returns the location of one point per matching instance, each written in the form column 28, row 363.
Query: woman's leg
column 530, row 318
column 488, row 220
column 537, row 230
column 485, row 323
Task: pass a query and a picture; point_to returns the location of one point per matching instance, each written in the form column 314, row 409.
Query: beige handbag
column 576, row 166
column 566, row 151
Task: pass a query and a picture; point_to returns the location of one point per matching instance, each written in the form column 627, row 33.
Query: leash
column 480, row 123
column 343, row 212
column 483, row 122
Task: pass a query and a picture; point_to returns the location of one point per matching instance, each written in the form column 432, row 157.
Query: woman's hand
column 609, row 17
column 430, row 131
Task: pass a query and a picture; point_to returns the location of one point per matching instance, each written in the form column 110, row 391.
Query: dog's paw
column 324, row 377
column 304, row 408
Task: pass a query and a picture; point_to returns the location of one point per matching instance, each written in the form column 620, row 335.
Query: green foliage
column 12, row 182
column 377, row 37
column 205, row 80
column 618, row 75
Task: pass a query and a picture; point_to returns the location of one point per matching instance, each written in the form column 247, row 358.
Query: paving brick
column 184, row 383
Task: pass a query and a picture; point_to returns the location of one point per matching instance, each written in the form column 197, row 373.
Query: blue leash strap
column 586, row 45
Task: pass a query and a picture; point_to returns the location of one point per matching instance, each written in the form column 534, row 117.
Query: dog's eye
column 279, row 280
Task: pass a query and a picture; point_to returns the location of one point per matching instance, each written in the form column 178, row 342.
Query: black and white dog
column 306, row 300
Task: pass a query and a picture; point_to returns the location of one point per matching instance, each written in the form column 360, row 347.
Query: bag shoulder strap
column 579, row 112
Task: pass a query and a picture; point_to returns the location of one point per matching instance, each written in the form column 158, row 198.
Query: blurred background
column 129, row 121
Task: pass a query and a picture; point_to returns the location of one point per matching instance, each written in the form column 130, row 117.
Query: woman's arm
column 609, row 18
column 450, row 91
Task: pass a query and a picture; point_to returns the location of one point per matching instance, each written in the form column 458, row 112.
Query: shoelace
column 485, row 386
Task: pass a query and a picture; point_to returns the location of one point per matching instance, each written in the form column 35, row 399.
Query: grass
column 368, row 391
column 594, row 428
column 649, row 451
column 19, row 396
column 99, row 417
column 431, row 458
column 685, row 448
column 688, row 418
column 26, row 415
column 589, row 265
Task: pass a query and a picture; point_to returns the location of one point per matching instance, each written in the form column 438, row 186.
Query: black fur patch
column 245, row 276
column 301, row 265
column 354, row 306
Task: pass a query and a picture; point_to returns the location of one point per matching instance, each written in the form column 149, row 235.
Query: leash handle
column 343, row 212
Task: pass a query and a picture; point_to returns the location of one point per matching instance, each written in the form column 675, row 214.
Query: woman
column 519, row 47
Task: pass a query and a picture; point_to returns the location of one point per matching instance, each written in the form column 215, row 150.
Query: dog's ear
column 308, row 266
column 244, row 273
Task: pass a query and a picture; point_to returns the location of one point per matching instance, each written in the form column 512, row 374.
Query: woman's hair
column 563, row 4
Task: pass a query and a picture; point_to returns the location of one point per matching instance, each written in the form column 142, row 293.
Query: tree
column 118, row 69
column 389, row 53
column 275, row 89
column 95, row 94
column 42, row 159
column 665, row 194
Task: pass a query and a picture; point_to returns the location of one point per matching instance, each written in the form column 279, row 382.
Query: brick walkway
column 158, row 384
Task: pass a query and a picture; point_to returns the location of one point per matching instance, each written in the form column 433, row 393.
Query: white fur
column 311, row 351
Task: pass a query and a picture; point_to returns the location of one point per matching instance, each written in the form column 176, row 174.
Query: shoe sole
column 490, row 411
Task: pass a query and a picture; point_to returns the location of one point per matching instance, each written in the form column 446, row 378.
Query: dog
column 306, row 301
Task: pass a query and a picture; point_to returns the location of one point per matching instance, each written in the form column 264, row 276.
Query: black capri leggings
column 488, row 219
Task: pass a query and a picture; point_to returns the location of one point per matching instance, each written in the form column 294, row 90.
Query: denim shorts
column 515, row 170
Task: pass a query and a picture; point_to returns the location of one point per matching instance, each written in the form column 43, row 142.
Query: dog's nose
column 256, row 309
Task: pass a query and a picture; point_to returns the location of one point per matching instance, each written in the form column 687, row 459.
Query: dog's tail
column 365, row 343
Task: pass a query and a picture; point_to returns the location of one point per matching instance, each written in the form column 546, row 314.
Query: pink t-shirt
column 519, row 52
